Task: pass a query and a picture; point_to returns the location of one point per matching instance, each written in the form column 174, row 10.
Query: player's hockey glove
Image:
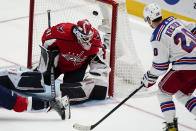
column 149, row 79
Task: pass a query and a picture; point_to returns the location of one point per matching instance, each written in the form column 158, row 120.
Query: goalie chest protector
column 72, row 55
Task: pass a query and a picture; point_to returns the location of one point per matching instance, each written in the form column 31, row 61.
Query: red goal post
column 119, row 55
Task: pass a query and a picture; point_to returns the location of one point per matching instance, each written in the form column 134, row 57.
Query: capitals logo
column 171, row 2
column 75, row 58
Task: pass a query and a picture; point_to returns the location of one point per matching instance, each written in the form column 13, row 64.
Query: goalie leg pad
column 22, row 81
column 6, row 82
column 81, row 91
column 31, row 82
column 98, row 93
column 74, row 91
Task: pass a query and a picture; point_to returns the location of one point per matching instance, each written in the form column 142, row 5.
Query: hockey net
column 127, row 69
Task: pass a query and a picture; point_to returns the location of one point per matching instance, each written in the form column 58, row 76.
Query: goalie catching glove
column 106, row 40
column 149, row 79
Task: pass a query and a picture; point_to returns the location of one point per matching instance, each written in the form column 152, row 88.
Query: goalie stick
column 52, row 55
column 88, row 128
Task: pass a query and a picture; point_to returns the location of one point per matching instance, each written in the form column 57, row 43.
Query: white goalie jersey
column 173, row 41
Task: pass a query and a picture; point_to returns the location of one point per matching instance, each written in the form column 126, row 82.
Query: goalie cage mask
column 84, row 33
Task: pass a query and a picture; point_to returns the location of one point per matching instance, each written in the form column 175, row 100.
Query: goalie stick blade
column 68, row 111
column 81, row 127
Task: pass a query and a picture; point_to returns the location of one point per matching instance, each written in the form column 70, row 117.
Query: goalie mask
column 84, row 33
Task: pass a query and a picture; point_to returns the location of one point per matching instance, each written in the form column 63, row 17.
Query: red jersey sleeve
column 62, row 31
column 96, row 42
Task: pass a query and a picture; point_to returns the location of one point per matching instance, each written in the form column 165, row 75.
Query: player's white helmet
column 84, row 33
column 153, row 11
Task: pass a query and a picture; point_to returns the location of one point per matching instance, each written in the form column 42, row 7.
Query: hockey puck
column 95, row 13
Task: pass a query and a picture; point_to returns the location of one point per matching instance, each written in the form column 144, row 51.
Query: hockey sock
column 168, row 110
column 167, row 106
column 29, row 104
column 9, row 100
column 21, row 104
column 191, row 105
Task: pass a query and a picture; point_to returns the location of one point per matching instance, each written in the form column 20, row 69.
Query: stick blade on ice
column 81, row 127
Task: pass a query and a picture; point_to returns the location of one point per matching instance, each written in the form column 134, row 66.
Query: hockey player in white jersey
column 173, row 43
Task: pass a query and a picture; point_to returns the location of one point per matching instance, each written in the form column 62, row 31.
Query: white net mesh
column 128, row 69
column 61, row 11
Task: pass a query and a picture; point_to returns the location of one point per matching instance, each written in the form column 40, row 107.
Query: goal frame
column 114, row 5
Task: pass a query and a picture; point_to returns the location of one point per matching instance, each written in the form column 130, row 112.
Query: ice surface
column 138, row 114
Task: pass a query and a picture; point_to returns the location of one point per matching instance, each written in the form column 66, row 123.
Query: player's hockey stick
column 88, row 128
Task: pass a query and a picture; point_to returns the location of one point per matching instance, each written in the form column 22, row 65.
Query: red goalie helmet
column 85, row 26
column 84, row 33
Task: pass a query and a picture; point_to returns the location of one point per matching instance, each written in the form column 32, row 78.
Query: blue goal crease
column 95, row 102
